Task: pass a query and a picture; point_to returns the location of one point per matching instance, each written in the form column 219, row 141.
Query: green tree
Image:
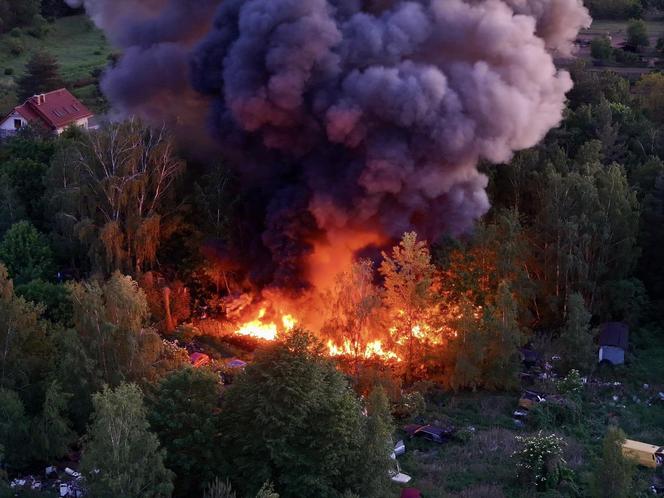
column 576, row 337
column 111, row 320
column 121, row 456
column 650, row 91
column 409, row 298
column 600, row 48
column 52, row 433
column 292, row 419
column 637, row 34
column 27, row 180
column 184, row 414
column 25, row 351
column 14, row 425
column 466, row 350
column 55, row 298
column 504, row 337
column 379, row 445
column 17, row 13
column 42, row 75
column 613, row 475
column 120, row 214
column 26, row 253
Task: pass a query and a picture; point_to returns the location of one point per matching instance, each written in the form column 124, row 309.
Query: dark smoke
column 349, row 114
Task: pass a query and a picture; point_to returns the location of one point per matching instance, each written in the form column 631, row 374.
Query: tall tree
column 379, row 446
column 637, row 34
column 111, row 321
column 24, row 348
column 121, row 456
column 353, row 309
column 293, row 420
column 52, row 433
column 576, row 338
column 184, row 413
column 26, row 253
column 409, row 297
column 42, row 75
column 613, row 475
column 502, row 360
column 14, row 425
column 116, row 191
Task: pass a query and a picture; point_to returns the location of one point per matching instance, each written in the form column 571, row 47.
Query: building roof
column 55, row 110
column 614, row 334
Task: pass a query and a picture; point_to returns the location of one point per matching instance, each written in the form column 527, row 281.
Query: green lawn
column 79, row 46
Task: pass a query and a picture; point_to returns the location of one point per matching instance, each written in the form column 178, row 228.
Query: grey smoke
column 368, row 114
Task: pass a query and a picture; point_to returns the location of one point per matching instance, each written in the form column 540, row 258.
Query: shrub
column 15, row 46
column 600, row 48
column 540, row 461
column 9, row 71
column 571, row 385
column 16, row 33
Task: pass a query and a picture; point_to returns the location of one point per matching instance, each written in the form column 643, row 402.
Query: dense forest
column 114, row 244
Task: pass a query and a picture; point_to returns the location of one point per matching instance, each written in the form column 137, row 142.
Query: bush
column 624, row 57
column 9, row 71
column 600, row 48
column 552, row 414
column 571, row 385
column 15, row 46
column 637, row 34
column 16, row 33
column 540, row 461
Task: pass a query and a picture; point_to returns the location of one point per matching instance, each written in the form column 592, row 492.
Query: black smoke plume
column 348, row 115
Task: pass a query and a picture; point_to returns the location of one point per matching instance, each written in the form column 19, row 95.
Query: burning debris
column 349, row 122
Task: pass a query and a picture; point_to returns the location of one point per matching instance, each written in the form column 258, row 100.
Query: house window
column 17, row 124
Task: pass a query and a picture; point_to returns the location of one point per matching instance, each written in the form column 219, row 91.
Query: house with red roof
column 54, row 111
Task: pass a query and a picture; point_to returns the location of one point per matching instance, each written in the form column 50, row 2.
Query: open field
column 80, row 48
column 480, row 465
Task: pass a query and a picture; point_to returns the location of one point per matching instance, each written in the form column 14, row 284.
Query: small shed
column 613, row 342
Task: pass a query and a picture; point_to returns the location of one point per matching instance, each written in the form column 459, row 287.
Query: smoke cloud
column 348, row 116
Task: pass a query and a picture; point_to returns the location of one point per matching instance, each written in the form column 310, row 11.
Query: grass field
column 79, row 46
column 481, row 466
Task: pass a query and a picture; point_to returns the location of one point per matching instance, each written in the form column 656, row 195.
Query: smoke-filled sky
column 347, row 116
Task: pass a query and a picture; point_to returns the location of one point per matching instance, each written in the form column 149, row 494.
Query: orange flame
column 373, row 349
column 267, row 331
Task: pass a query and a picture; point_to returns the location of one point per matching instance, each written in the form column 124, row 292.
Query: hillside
column 81, row 49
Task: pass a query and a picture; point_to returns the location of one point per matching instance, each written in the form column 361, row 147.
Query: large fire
column 268, row 331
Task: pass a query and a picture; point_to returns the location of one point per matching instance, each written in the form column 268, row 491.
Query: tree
column 352, row 309
column 600, row 48
column 184, row 413
column 292, row 419
column 115, row 189
column 613, row 475
column 24, row 347
column 504, row 337
column 466, row 350
column 650, row 90
column 17, row 13
column 26, row 253
column 409, row 298
column 576, row 338
column 637, row 34
column 52, row 433
column 13, row 429
column 111, row 321
column 379, row 445
column 55, row 298
column 121, row 456
column 42, row 75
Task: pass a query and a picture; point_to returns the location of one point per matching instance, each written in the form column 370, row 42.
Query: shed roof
column 614, row 334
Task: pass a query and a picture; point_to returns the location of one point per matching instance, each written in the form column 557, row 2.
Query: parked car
column 433, row 433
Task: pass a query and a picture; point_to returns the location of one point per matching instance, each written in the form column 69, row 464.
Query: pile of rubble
column 67, row 483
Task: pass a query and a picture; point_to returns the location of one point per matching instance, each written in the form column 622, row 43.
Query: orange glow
column 373, row 349
column 337, row 253
column 261, row 329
